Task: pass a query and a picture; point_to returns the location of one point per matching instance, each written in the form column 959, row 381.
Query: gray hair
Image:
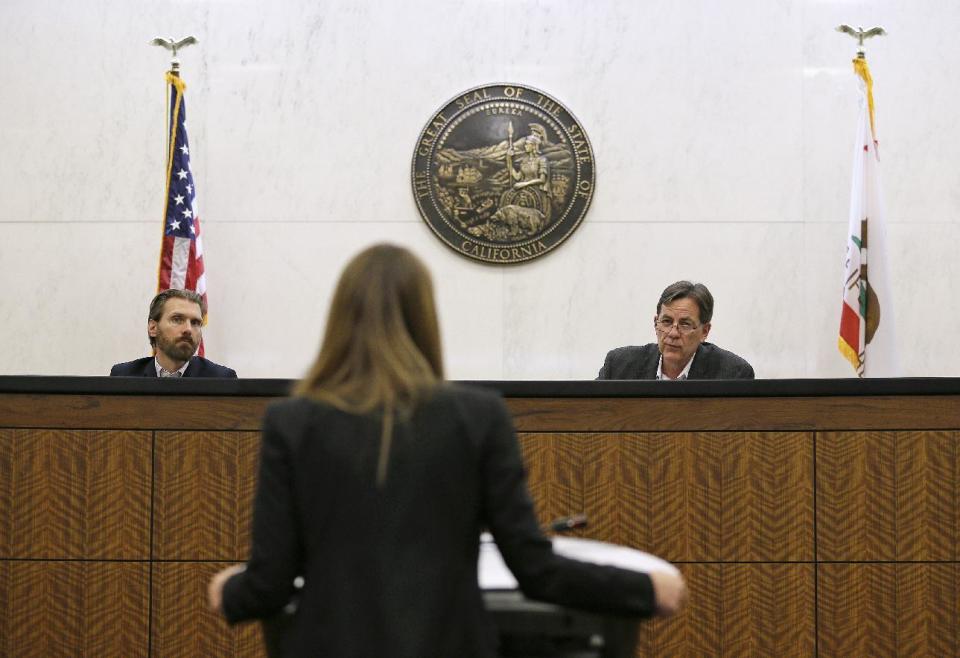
column 686, row 289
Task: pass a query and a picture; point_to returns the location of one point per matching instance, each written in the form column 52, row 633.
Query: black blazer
column 710, row 362
column 392, row 571
column 199, row 367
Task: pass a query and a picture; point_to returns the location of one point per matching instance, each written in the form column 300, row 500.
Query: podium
column 534, row 629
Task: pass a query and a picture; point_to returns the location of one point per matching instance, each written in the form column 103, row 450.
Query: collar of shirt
column 161, row 371
column 683, row 373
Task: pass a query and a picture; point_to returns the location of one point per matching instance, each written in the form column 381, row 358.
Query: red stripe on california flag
column 850, row 327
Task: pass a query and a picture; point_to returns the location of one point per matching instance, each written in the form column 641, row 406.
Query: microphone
column 558, row 526
column 568, row 523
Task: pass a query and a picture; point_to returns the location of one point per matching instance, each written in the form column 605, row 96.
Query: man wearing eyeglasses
column 682, row 324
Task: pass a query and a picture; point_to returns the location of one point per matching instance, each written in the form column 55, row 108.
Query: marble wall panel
column 819, row 297
column 553, row 318
column 75, row 295
column 320, row 121
column 271, row 325
column 672, row 95
column 83, row 115
column 917, row 134
column 722, row 134
column 563, row 315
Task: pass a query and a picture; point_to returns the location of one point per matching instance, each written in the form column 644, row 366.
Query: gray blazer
column 640, row 362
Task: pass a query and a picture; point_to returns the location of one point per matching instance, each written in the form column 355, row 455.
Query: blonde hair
column 381, row 347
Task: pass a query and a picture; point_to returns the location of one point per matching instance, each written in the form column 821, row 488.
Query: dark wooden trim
column 513, row 389
column 592, row 414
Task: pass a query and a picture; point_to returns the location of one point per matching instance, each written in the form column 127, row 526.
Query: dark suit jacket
column 199, row 367
column 392, row 571
column 710, row 362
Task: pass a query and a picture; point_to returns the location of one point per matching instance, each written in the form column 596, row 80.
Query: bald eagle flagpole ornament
column 867, row 336
column 181, row 247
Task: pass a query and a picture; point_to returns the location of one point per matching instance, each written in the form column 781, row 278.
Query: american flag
column 181, row 253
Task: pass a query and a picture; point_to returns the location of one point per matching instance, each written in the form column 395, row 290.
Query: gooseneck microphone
column 568, row 523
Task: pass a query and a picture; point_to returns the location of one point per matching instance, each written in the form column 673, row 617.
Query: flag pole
column 181, row 249
column 173, row 45
column 867, row 332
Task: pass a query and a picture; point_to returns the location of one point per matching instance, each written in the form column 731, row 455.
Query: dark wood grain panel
column 728, row 414
column 183, row 626
column 555, row 474
column 767, row 504
column 75, row 494
column 928, row 495
column 169, row 412
column 724, row 484
column 7, row 603
column 856, row 497
column 204, row 494
column 50, row 609
column 738, row 610
column 702, row 496
column 199, row 412
column 928, row 610
column 888, row 610
column 7, row 500
column 888, row 495
column 768, row 610
column 698, row 629
column 620, row 498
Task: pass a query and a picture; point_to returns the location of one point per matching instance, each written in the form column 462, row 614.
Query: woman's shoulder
column 296, row 410
column 474, row 413
column 467, row 397
column 469, row 400
column 457, row 390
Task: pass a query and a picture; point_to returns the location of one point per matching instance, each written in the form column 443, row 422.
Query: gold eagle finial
column 860, row 34
column 173, row 46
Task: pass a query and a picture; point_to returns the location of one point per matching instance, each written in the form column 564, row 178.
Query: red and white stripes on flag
column 181, row 251
column 867, row 335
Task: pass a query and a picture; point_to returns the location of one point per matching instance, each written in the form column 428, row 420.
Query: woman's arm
column 509, row 513
column 266, row 584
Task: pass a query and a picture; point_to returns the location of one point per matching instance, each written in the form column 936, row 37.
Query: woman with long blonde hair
column 375, row 481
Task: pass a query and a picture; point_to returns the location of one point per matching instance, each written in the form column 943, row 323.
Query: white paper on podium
column 493, row 573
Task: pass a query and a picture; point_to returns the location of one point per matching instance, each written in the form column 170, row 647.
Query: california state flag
column 867, row 337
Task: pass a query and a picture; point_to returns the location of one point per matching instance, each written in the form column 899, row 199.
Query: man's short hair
column 156, row 306
column 686, row 289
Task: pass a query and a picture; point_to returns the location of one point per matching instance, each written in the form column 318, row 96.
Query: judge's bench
column 809, row 517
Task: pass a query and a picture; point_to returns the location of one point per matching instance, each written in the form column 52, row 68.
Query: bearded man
column 175, row 328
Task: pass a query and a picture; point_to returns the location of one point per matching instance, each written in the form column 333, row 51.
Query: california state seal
column 503, row 173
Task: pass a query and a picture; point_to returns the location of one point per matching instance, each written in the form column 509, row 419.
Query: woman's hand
column 215, row 588
column 669, row 590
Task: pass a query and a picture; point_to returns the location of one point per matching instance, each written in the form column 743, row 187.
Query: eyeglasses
column 665, row 325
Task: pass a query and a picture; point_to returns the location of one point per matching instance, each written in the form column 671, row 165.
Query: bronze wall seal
column 503, row 173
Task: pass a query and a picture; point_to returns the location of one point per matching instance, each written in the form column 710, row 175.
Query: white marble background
column 722, row 133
